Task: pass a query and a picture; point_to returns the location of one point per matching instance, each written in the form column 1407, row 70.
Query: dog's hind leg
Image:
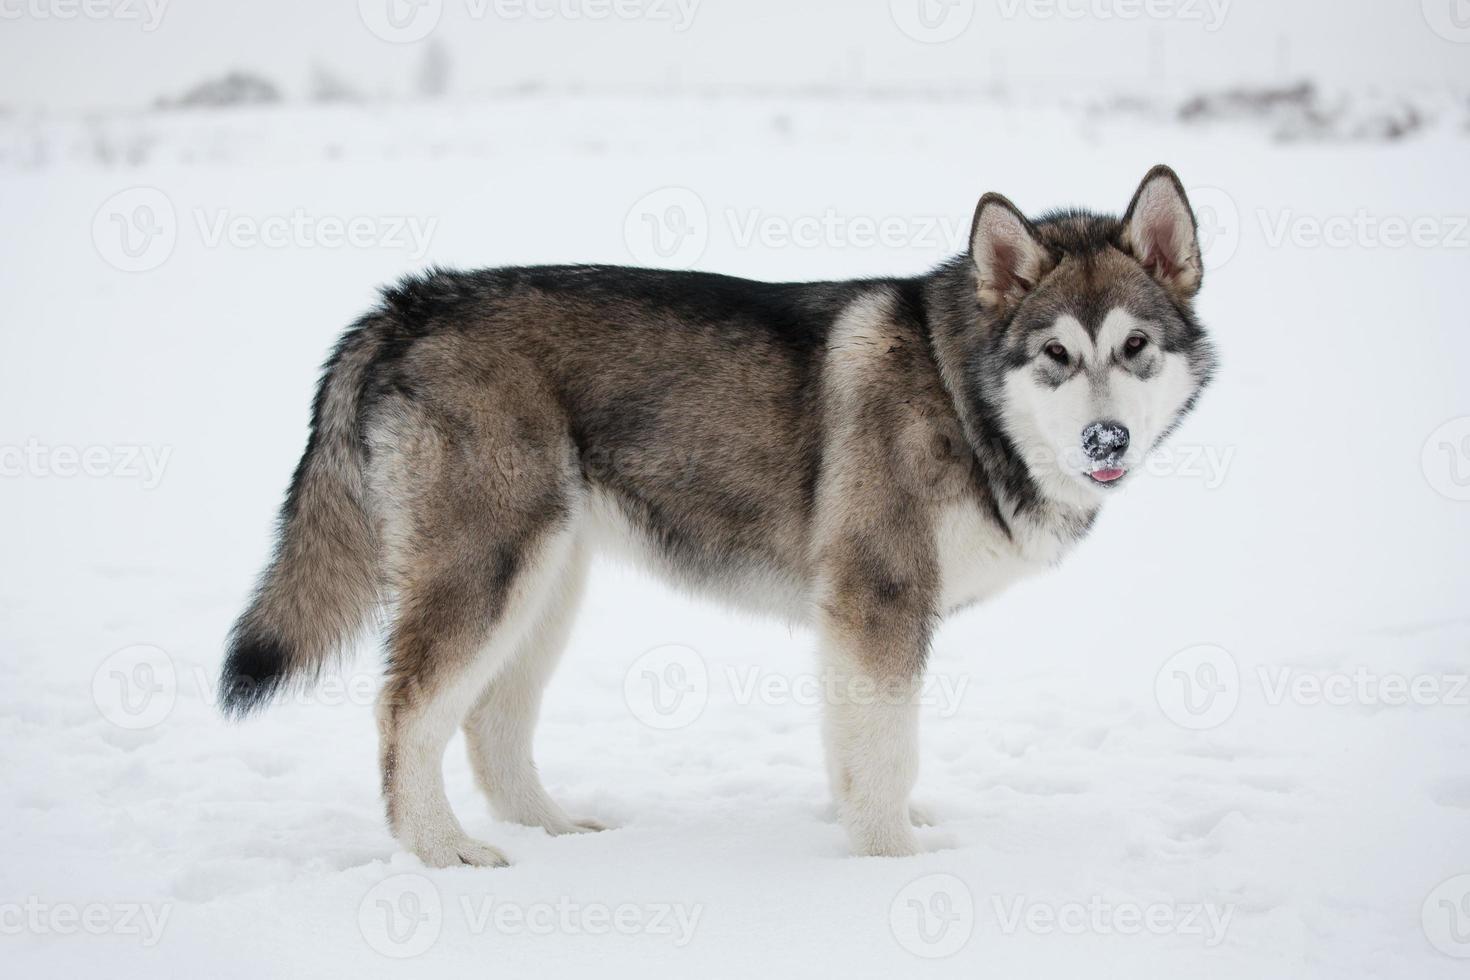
column 455, row 631
column 476, row 505
column 500, row 728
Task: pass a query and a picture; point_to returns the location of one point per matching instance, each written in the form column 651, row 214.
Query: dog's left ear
column 1160, row 232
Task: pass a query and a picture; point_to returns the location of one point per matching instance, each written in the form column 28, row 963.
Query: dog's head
column 1092, row 353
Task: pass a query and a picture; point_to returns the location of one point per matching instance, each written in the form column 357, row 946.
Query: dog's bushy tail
column 323, row 580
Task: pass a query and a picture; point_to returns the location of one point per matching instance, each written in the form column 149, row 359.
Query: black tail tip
column 254, row 671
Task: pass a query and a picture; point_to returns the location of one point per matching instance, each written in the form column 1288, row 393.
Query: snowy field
column 1228, row 739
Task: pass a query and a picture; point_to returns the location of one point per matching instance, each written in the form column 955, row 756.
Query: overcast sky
column 80, row 53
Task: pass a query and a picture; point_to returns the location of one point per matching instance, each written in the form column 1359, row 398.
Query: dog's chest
column 977, row 559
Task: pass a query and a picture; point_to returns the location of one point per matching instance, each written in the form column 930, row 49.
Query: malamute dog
column 864, row 457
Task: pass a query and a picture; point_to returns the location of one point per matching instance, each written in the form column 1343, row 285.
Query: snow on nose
column 1104, row 440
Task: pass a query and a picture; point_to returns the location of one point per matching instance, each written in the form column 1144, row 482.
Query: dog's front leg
column 873, row 666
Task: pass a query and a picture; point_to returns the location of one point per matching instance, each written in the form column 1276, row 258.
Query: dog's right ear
column 1009, row 259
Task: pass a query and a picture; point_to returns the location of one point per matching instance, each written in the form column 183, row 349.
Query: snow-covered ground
column 1229, row 738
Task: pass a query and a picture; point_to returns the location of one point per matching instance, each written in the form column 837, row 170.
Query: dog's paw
column 884, row 841
column 459, row 852
column 888, row 846
column 574, row 825
column 551, row 819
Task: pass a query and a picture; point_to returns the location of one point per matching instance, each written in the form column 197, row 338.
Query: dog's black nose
column 1102, row 440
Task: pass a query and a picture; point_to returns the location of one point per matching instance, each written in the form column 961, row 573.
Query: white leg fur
column 872, row 747
column 420, row 730
column 500, row 728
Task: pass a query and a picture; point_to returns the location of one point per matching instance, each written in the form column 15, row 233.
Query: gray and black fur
column 792, row 447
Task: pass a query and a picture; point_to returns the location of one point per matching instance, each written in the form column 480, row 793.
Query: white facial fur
column 1047, row 423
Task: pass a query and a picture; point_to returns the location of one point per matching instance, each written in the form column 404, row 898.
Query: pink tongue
column 1107, row 476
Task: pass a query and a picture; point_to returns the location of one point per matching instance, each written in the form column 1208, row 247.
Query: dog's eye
column 1056, row 352
column 1134, row 344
